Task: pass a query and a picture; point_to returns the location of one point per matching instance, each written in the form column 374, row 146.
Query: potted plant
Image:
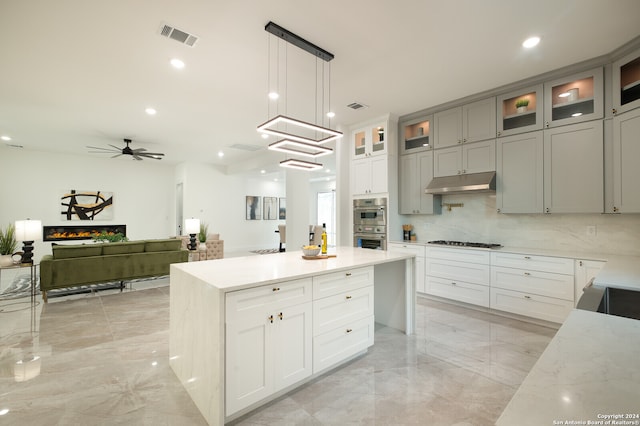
column 202, row 235
column 8, row 245
column 521, row 105
column 109, row 237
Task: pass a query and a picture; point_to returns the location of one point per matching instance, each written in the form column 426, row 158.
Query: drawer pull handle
column 528, row 257
column 348, row 274
column 349, row 330
column 276, row 289
column 454, row 284
column 270, row 318
column 280, row 316
column 527, row 274
column 348, row 297
column 527, row 297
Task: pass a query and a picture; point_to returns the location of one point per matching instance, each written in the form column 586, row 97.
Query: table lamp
column 28, row 231
column 192, row 227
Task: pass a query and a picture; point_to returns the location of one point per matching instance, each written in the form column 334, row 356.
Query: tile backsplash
column 478, row 221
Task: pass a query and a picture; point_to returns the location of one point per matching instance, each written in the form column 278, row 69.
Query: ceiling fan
column 137, row 153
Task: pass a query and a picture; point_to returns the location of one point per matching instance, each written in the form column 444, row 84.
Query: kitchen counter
column 590, row 370
column 620, row 272
column 197, row 314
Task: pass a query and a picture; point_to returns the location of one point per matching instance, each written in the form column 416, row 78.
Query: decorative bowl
column 311, row 250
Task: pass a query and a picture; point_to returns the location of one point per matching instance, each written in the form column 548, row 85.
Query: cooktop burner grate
column 465, row 244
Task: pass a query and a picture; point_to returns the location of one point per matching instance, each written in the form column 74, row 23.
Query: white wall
column 34, row 181
column 479, row 221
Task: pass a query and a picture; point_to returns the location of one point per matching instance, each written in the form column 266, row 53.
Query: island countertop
column 237, row 273
column 590, row 370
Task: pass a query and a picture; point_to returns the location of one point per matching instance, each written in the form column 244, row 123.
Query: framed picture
column 282, row 211
column 270, row 209
column 86, row 205
column 253, row 207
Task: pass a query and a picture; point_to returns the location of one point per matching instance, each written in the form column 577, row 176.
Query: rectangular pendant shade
column 300, row 148
column 300, row 164
column 268, row 128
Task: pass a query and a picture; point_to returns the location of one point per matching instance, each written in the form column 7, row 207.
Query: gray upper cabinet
column 626, row 156
column 574, row 168
column 416, row 135
column 519, row 173
column 520, row 111
column 626, row 83
column 472, row 122
column 574, row 99
column 416, row 171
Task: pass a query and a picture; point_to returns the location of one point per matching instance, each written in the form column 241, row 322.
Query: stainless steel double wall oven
column 370, row 223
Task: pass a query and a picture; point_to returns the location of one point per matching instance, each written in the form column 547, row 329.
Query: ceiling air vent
column 357, row 105
column 178, row 35
column 245, row 147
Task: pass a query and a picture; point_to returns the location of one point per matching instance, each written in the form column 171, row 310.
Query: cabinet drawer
column 339, row 344
column 459, row 255
column 339, row 282
column 454, row 271
column 535, row 282
column 531, row 305
column 278, row 295
column 558, row 265
column 341, row 309
column 407, row 248
column 459, row 290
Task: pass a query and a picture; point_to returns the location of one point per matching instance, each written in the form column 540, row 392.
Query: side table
column 33, row 270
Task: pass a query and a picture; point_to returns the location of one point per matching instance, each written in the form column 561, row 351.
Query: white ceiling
column 81, row 72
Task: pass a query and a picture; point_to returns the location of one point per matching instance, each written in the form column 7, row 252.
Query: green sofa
column 78, row 265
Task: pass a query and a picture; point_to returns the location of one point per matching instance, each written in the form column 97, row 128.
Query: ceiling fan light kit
column 299, row 137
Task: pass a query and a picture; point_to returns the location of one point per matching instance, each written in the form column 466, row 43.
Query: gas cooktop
column 465, row 244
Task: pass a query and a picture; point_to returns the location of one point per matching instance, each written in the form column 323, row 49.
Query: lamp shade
column 192, row 226
column 28, row 230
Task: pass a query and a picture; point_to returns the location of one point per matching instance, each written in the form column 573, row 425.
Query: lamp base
column 192, row 242
column 27, row 253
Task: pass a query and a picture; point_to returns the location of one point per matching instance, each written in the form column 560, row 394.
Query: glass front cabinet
column 626, row 83
column 416, row 135
column 520, row 111
column 573, row 99
column 369, row 141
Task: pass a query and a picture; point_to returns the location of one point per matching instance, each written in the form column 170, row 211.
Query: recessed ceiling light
column 273, row 95
column 531, row 42
column 177, row 63
column 5, row 138
column 331, row 114
column 263, row 171
column 220, row 154
column 328, row 170
column 150, row 111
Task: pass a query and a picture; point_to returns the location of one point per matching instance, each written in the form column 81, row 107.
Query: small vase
column 521, row 109
column 6, row 260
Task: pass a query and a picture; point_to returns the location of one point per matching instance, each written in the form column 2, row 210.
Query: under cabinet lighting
column 300, row 164
column 300, row 148
column 564, row 95
column 267, row 128
column 576, row 114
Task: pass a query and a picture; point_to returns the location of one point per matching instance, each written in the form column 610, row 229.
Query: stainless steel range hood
column 462, row 184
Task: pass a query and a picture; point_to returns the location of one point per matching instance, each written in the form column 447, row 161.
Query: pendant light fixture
column 298, row 137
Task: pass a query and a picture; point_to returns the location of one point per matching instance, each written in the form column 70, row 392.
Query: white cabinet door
column 461, row 291
column 479, row 120
column 292, row 350
column 361, row 176
column 479, row 157
column 447, row 128
column 447, row 162
column 574, row 168
column 519, row 173
column 379, row 175
column 586, row 270
column 337, row 345
column 626, row 162
column 531, row 305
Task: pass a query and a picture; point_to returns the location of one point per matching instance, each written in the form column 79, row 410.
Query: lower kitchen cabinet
column 419, row 251
column 531, row 305
column 475, row 294
column 341, row 343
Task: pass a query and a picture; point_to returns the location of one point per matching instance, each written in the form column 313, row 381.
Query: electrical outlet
column 591, row 230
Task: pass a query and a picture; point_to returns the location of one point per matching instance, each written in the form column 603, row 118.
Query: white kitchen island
column 202, row 292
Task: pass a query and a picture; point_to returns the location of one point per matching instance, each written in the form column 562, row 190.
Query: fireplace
column 79, row 232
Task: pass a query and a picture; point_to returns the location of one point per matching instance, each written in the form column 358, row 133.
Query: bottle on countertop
column 324, row 238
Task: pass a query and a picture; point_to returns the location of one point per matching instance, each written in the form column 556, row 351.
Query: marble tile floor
column 102, row 359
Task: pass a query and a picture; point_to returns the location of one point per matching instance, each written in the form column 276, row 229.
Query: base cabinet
column 586, row 270
column 531, row 305
column 341, row 343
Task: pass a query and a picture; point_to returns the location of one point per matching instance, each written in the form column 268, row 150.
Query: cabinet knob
column 280, row 316
column 464, row 140
column 547, row 210
column 459, row 141
column 348, row 274
column 581, row 264
column 347, row 297
column 349, row 330
column 527, row 297
column 615, row 209
column 464, row 171
column 499, row 133
column 276, row 289
column 614, row 111
column 270, row 318
column 527, row 257
column 527, row 274
column 546, row 124
column 498, row 210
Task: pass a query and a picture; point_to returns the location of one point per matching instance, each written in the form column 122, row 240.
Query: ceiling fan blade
column 116, row 147
column 117, row 155
column 137, row 157
column 152, row 154
column 103, row 149
column 139, row 149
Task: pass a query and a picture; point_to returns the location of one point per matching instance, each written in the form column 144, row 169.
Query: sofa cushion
column 84, row 250
column 124, row 247
column 162, row 245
